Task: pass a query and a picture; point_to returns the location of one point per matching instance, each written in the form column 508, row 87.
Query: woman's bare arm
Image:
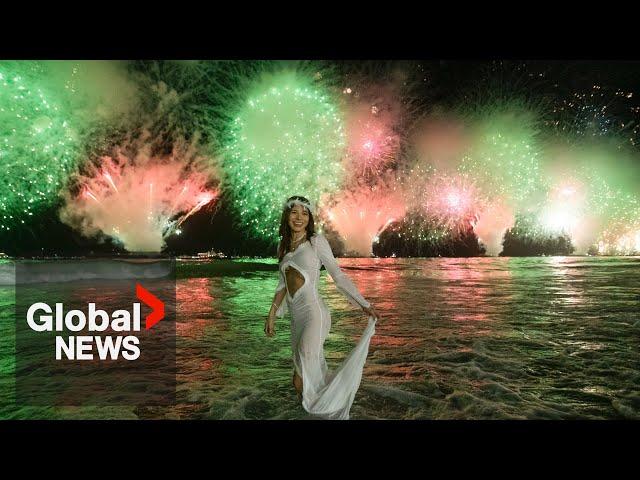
column 278, row 298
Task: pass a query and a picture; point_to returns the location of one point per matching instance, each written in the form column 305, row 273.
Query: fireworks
column 492, row 222
column 372, row 144
column 565, row 206
column 361, row 215
column 441, row 143
column 434, row 189
column 513, row 157
column 194, row 96
column 38, row 142
column 139, row 200
column 375, row 118
column 627, row 243
column 287, row 138
column 621, row 234
column 99, row 92
column 505, row 154
column 598, row 112
column 452, row 201
column 589, row 198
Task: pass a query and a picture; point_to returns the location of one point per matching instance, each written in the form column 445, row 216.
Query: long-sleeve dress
column 326, row 394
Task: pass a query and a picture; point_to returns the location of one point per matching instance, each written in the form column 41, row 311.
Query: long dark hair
column 285, row 229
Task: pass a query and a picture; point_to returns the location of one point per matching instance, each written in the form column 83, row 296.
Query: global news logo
column 41, row 317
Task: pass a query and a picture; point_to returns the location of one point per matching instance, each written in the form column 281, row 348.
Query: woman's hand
column 371, row 311
column 270, row 326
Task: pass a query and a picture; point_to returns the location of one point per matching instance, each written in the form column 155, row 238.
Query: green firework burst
column 287, row 138
column 38, row 144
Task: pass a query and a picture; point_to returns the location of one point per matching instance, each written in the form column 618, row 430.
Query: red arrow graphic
column 157, row 306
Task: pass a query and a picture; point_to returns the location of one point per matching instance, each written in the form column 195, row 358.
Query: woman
column 301, row 253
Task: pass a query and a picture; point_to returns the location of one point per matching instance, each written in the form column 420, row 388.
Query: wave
column 34, row 271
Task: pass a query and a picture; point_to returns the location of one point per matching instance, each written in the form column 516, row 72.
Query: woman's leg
column 297, row 384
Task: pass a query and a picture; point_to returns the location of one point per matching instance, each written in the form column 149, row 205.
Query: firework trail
column 140, row 199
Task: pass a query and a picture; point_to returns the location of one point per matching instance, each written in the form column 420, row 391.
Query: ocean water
column 464, row 338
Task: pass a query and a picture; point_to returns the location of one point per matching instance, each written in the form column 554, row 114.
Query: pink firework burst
column 360, row 216
column 139, row 201
column 372, row 145
column 491, row 224
column 452, row 201
column 373, row 121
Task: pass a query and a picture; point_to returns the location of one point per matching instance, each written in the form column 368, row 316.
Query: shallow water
column 469, row 338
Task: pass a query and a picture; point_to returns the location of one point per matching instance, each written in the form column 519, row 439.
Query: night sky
column 440, row 84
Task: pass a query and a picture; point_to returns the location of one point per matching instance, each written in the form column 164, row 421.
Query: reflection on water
column 468, row 338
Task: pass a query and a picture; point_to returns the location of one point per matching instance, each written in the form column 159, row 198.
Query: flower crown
column 295, row 201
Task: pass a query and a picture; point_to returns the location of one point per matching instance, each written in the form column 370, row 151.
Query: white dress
column 326, row 394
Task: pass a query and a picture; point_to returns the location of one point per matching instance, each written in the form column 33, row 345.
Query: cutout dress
column 326, row 394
